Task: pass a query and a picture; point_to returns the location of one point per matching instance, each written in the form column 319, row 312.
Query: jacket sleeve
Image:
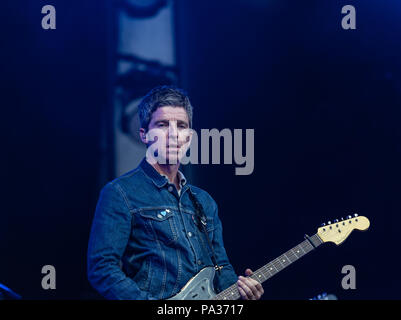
column 111, row 228
column 227, row 275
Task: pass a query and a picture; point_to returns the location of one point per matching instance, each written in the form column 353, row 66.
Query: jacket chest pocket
column 160, row 224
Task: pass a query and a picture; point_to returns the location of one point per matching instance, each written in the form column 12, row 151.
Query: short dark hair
column 163, row 96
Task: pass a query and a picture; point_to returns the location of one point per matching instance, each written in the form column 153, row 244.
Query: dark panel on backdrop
column 324, row 104
column 55, row 91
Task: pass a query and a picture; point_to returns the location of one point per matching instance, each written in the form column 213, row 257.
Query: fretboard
column 273, row 267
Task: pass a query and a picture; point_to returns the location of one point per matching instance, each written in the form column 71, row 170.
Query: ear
column 142, row 135
column 190, row 135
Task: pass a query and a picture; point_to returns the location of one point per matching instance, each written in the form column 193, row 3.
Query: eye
column 182, row 125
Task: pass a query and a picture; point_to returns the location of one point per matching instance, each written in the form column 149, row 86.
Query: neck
column 169, row 170
column 273, row 267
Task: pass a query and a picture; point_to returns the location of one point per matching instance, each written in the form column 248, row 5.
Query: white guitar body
column 200, row 287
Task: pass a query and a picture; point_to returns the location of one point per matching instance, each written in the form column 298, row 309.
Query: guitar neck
column 273, row 267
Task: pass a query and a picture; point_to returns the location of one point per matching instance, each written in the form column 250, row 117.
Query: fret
column 231, row 293
column 280, row 262
column 295, row 255
column 268, row 269
column 258, row 276
column 284, row 260
column 272, row 264
column 278, row 266
column 273, row 267
column 306, row 246
column 316, row 240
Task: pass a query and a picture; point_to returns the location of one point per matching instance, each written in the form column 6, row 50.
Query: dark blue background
column 324, row 103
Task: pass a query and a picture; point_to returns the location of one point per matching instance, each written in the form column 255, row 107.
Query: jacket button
column 199, row 262
column 170, row 189
column 190, row 234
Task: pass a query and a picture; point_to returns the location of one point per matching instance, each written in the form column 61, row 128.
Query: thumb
column 248, row 272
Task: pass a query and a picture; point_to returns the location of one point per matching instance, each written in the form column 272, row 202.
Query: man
column 153, row 231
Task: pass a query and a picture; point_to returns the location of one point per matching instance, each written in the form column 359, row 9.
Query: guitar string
column 233, row 290
column 277, row 263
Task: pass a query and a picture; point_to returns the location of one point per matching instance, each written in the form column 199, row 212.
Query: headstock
column 338, row 231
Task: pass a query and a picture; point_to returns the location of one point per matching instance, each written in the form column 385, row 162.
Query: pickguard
column 200, row 287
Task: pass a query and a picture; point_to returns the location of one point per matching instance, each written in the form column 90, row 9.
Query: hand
column 248, row 288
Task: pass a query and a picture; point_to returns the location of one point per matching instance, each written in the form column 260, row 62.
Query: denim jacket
column 145, row 242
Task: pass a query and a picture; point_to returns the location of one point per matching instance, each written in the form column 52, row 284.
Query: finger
column 259, row 289
column 245, row 286
column 258, row 286
column 248, row 272
column 248, row 292
column 242, row 293
column 255, row 286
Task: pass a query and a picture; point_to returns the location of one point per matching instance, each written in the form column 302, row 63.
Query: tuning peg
column 355, row 214
column 323, row 224
column 349, row 217
column 336, row 220
column 342, row 218
column 328, row 222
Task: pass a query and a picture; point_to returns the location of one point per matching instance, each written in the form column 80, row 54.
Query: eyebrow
column 182, row 122
column 167, row 121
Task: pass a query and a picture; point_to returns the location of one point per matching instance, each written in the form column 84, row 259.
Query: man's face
column 169, row 129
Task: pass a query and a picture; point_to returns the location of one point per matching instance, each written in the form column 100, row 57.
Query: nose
column 172, row 131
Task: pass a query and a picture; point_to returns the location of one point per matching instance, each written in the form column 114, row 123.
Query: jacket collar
column 158, row 179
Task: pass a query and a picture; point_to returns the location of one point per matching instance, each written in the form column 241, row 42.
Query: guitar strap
column 200, row 214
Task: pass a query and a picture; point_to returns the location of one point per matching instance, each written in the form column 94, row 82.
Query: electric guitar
column 200, row 287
